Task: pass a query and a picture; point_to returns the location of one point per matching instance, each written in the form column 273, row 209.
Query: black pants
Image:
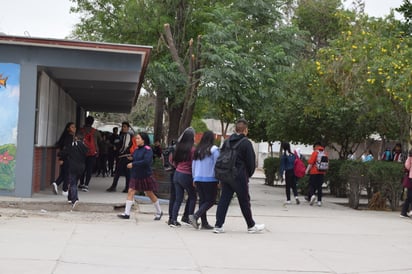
column 290, row 180
column 315, row 185
column 121, row 170
column 207, row 197
column 408, row 201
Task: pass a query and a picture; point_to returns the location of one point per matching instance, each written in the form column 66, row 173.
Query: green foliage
column 7, row 166
column 271, row 167
column 337, row 185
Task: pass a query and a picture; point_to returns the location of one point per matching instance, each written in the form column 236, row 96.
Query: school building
column 45, row 83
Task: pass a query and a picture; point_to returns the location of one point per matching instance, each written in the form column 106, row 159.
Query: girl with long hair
column 287, row 161
column 203, row 165
column 182, row 178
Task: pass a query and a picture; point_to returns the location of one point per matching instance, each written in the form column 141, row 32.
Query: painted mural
column 9, row 111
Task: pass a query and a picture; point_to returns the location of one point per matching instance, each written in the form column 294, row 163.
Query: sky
column 52, row 18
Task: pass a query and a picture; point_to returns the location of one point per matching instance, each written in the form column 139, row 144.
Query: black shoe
column 111, row 189
column 158, row 216
column 185, row 220
column 174, row 224
column 123, row 216
column 125, row 190
column 207, row 226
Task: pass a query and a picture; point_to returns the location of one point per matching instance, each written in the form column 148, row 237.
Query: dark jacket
column 246, row 160
column 142, row 163
column 74, row 156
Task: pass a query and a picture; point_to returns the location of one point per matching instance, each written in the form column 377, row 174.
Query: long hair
column 286, row 147
column 184, row 147
column 65, row 133
column 204, row 146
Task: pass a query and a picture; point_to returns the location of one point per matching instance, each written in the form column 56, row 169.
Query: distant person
column 91, row 138
column 317, row 176
column 182, row 178
column 75, row 156
column 157, row 150
column 114, row 147
column 246, row 164
column 141, row 175
column 65, row 140
column 287, row 163
column 123, row 159
column 397, row 153
column 387, row 155
column 367, row 156
column 104, row 146
column 203, row 172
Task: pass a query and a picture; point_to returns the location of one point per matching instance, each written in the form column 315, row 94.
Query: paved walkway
column 297, row 238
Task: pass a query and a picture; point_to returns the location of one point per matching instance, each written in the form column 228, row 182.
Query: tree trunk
column 159, row 111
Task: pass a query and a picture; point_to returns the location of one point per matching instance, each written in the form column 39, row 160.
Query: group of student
column 193, row 173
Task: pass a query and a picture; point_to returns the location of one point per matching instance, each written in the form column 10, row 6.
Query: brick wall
column 45, row 168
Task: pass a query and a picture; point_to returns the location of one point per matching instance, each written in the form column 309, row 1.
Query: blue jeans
column 183, row 182
column 73, row 196
column 207, row 197
column 241, row 189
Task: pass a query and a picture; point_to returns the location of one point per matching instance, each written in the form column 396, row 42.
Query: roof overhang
column 109, row 82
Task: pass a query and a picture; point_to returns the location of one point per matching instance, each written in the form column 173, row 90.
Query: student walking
column 245, row 164
column 182, row 178
column 203, row 173
column 287, row 163
column 74, row 155
column 317, row 176
column 65, row 140
column 141, row 175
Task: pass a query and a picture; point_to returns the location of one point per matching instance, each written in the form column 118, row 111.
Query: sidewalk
column 297, row 238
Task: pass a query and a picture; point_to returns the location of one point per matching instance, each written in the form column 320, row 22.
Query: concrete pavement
column 47, row 238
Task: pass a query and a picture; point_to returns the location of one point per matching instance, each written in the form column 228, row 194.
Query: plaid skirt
column 143, row 184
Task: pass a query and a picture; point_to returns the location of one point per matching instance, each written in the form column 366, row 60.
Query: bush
column 338, row 186
column 271, row 167
column 385, row 178
column 353, row 172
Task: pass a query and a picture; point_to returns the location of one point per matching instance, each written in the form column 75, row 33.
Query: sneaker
column 193, row 221
column 312, row 199
column 409, row 213
column 297, row 200
column 403, row 216
column 123, row 216
column 54, row 188
column 218, row 230
column 75, row 204
column 158, row 216
column 287, row 202
column 206, row 226
column 185, row 220
column 174, row 224
column 85, row 189
column 65, row 193
column 319, row 203
column 256, row 228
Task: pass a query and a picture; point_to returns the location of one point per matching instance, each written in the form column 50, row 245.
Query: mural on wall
column 9, row 109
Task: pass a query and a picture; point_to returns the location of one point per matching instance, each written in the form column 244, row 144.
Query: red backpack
column 299, row 167
column 88, row 140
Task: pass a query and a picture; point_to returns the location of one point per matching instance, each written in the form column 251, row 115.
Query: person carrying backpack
column 287, row 163
column 91, row 137
column 245, row 165
column 317, row 166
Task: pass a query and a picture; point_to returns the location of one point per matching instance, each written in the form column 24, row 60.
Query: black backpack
column 225, row 167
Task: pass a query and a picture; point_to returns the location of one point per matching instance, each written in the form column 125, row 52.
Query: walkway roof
column 101, row 77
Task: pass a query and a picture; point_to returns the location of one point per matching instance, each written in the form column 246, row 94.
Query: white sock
column 157, row 206
column 128, row 207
